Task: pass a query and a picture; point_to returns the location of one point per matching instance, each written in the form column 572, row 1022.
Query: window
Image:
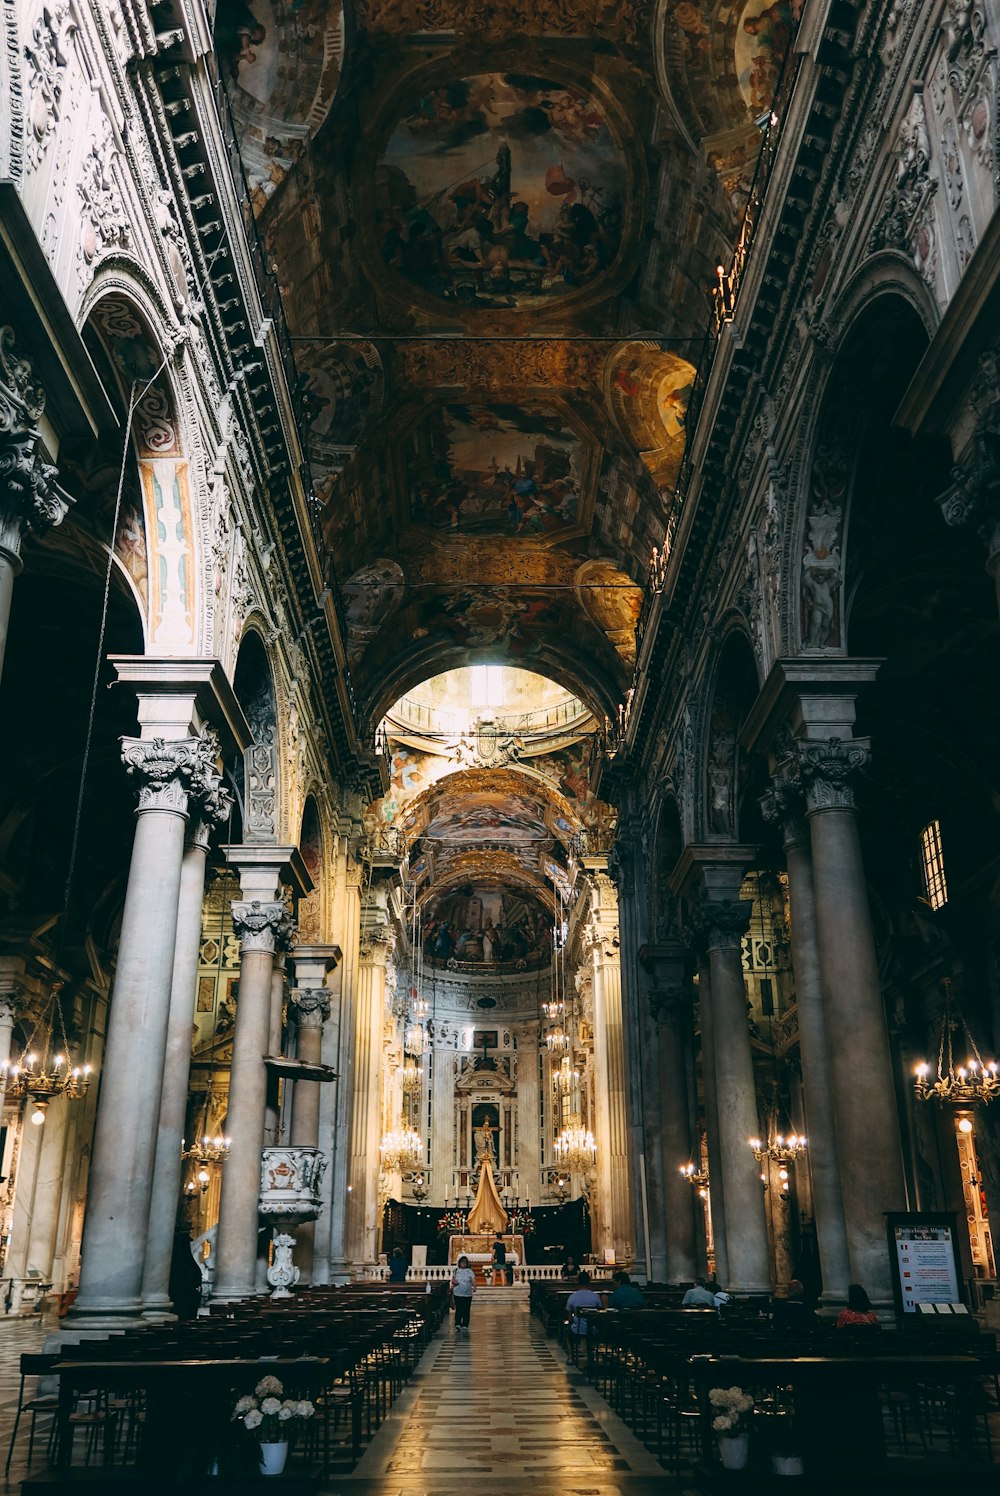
column 487, row 685
column 932, row 863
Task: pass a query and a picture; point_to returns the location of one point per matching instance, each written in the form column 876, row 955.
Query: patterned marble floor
column 498, row 1410
column 17, row 1336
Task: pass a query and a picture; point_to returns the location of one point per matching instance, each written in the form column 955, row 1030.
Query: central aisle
column 498, row 1411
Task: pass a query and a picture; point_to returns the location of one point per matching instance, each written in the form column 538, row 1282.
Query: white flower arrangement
column 267, row 1411
column 733, row 1404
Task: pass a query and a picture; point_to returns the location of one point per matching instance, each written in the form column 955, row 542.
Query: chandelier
column 411, row 1077
column 695, row 1175
column 421, row 1008
column 556, row 1040
column 413, row 1041
column 44, row 1070
column 207, row 1150
column 961, row 1085
column 565, row 1078
column 553, row 1009
column 778, row 1148
column 575, row 1147
column 400, row 1151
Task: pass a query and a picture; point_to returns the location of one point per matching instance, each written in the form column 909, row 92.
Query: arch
column 668, row 844
column 312, row 845
column 409, row 669
column 874, row 361
column 257, row 782
column 647, row 391
column 157, row 543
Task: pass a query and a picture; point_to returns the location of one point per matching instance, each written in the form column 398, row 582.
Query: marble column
column 670, row 1010
column 672, row 1013
column 340, row 1095
column 170, row 774
column 374, row 954
column 11, row 1000
column 312, row 1009
column 784, row 806
column 47, row 1193
column 262, row 923
column 609, row 1059
column 864, row 1097
column 747, row 1251
column 29, row 497
column 716, row 1185
column 177, row 1068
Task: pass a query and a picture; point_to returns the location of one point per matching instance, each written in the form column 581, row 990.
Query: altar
column 478, row 1247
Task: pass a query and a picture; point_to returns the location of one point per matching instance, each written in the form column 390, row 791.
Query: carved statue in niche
column 721, row 773
column 822, row 572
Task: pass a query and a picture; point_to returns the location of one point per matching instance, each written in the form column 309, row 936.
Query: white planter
column 734, row 1451
column 273, row 1457
column 787, row 1464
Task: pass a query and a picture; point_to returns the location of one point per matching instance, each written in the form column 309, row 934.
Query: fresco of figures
column 487, row 924
column 500, row 189
column 495, row 469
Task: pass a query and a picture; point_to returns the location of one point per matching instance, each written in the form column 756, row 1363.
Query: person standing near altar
column 500, row 1260
column 463, row 1286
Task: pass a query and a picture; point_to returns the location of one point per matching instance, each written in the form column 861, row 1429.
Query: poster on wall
column 924, row 1257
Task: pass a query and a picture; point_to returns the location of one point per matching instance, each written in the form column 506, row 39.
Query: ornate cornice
column 259, row 926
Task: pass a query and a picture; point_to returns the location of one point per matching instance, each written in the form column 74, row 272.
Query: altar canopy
column 487, row 1213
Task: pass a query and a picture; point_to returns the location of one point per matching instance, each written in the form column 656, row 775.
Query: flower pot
column 787, row 1464
column 734, row 1451
column 273, row 1457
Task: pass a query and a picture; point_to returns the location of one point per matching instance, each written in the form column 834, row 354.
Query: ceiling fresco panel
column 500, row 190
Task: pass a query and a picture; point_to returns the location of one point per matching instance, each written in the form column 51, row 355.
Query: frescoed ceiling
column 495, row 225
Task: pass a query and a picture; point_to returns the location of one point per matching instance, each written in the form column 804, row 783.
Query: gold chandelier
column 556, row 1040
column 411, row 1077
column 778, row 1148
column 44, row 1071
column 695, row 1175
column 207, row 1150
column 575, row 1147
column 961, row 1085
column 565, row 1078
column 400, row 1151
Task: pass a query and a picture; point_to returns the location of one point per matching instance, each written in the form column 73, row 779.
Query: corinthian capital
column 259, row 926
column 725, row 923
column 168, row 772
column 29, row 498
column 312, row 1006
column 782, row 805
column 829, row 771
column 214, row 801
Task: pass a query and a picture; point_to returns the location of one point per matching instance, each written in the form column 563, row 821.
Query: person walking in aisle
column 463, row 1286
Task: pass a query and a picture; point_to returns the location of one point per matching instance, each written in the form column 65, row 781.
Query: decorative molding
column 782, row 805
column 47, row 57
column 103, row 219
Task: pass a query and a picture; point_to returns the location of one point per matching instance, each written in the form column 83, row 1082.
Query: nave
column 501, row 1405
